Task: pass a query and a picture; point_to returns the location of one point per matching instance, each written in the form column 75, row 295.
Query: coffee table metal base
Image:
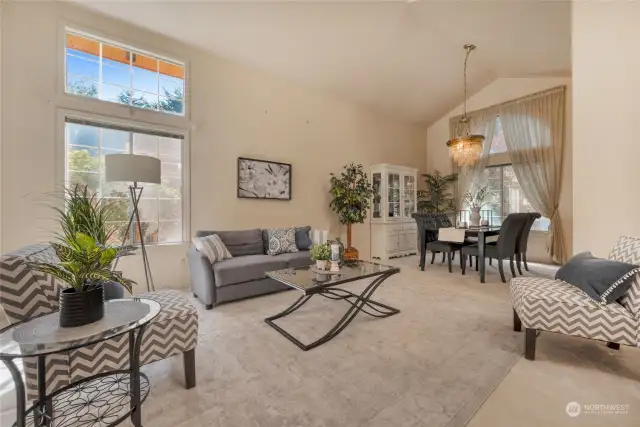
column 362, row 302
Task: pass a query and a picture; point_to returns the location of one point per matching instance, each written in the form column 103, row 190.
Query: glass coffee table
column 311, row 282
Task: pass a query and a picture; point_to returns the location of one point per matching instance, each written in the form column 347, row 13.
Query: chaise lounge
column 541, row 304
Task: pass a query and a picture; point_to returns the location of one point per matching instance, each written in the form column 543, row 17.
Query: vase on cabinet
column 474, row 218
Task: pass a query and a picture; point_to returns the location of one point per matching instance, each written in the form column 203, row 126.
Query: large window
column 507, row 197
column 104, row 70
column 161, row 206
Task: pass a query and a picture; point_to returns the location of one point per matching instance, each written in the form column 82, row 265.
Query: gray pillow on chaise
column 603, row 280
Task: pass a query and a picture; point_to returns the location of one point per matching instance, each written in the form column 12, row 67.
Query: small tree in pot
column 351, row 193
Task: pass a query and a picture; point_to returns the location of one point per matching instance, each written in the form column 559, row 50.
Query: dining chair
column 523, row 241
column 450, row 240
column 505, row 246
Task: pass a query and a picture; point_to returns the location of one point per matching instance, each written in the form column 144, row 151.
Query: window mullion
column 100, row 74
column 502, row 193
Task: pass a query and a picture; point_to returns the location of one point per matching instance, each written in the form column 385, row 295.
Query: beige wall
column 235, row 111
column 501, row 90
column 606, row 87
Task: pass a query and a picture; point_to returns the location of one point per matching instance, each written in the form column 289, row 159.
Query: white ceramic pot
column 475, row 217
column 321, row 264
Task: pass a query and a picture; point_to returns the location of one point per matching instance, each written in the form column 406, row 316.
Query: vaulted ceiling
column 402, row 58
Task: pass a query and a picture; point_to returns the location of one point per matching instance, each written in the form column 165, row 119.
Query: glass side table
column 102, row 400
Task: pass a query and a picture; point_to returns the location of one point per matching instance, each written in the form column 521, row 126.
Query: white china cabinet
column 393, row 230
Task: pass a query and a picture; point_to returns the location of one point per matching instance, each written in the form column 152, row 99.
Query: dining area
column 507, row 242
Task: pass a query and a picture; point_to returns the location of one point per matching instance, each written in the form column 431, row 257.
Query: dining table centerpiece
column 475, row 200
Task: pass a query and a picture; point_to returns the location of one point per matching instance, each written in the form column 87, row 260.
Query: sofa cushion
column 303, row 238
column 212, row 247
column 239, row 242
column 281, row 241
column 297, row 259
column 245, row 268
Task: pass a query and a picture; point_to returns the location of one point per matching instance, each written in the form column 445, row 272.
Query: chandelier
column 465, row 149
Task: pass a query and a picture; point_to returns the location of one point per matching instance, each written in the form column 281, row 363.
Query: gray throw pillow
column 603, row 280
column 303, row 238
column 281, row 241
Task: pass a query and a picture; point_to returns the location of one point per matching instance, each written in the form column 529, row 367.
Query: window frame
column 66, row 27
column 61, row 157
column 502, row 166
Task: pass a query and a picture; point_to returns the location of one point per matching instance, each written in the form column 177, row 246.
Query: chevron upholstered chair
column 541, row 304
column 25, row 293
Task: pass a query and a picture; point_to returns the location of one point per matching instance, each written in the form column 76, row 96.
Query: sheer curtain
column 481, row 122
column 534, row 133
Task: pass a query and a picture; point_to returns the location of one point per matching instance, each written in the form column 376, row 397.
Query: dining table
column 481, row 233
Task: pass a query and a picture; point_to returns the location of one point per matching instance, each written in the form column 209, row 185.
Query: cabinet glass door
column 377, row 195
column 393, row 195
column 409, row 195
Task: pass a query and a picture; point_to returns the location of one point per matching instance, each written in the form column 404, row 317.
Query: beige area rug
column 431, row 365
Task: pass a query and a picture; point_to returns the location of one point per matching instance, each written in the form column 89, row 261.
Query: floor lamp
column 133, row 168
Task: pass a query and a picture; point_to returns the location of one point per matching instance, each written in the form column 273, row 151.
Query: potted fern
column 84, row 266
column 86, row 212
column 438, row 196
column 85, row 257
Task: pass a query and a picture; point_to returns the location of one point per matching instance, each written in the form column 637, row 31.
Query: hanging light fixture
column 465, row 149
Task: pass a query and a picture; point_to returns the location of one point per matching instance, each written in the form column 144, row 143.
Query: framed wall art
column 263, row 179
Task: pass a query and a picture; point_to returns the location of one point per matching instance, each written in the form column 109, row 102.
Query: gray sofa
column 243, row 275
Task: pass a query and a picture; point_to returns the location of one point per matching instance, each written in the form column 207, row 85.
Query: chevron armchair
column 25, row 293
column 541, row 304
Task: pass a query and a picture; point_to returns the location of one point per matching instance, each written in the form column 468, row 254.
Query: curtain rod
column 561, row 88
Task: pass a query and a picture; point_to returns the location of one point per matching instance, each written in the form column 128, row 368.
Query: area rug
column 432, row 365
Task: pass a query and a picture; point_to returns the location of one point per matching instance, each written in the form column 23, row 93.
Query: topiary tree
column 351, row 193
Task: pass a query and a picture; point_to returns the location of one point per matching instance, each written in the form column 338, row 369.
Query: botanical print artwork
column 264, row 180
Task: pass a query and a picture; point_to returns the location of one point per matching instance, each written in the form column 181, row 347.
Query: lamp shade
column 132, row 168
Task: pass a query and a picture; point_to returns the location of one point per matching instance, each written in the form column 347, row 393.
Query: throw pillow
column 303, row 239
column 281, row 241
column 212, row 247
column 603, row 280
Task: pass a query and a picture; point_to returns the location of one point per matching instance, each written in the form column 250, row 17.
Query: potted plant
column 475, row 201
column 351, row 193
column 438, row 196
column 321, row 253
column 87, row 213
column 85, row 266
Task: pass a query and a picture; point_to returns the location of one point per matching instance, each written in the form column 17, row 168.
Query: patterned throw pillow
column 281, row 241
column 212, row 247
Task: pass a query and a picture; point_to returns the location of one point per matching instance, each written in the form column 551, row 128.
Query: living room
column 318, row 86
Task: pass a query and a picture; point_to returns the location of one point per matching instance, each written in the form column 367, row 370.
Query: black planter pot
column 81, row 308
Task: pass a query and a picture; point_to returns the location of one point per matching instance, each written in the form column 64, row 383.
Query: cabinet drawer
column 410, row 226
column 393, row 228
column 408, row 241
column 392, row 242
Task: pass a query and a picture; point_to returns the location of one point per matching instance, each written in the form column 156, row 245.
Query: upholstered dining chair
column 450, row 240
column 523, row 241
column 505, row 246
